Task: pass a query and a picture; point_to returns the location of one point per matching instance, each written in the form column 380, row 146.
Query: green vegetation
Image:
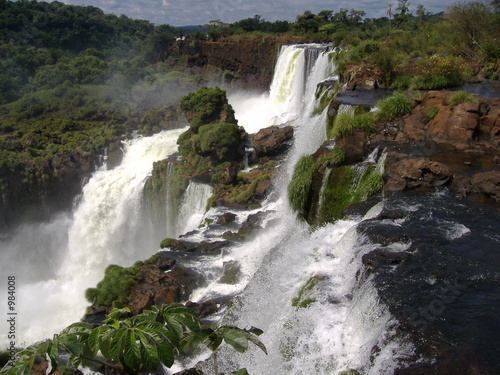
column 114, row 288
column 126, row 345
column 436, row 72
column 347, row 122
column 302, row 300
column 459, row 97
column 300, row 186
column 392, row 107
column 334, row 157
column 205, row 106
column 433, row 112
column 344, row 186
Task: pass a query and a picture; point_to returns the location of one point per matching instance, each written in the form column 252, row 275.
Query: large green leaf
column 131, row 351
column 235, row 337
column 149, row 353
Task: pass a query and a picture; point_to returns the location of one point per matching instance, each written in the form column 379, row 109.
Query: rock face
column 162, row 282
column 58, row 181
column 365, row 77
column 416, row 172
column 457, row 146
column 272, row 140
column 248, row 62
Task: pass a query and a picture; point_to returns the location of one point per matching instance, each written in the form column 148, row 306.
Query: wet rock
column 353, row 146
column 203, row 309
column 272, row 140
column 487, row 183
column 384, row 257
column 156, row 287
column 228, row 173
column 231, row 272
column 114, row 155
column 414, row 173
column 226, row 218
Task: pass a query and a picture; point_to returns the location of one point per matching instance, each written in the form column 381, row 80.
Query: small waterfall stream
column 343, row 326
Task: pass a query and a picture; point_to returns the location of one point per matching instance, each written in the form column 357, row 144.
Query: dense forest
column 73, row 79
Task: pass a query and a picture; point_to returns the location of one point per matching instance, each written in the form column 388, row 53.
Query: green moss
column 250, row 191
column 115, row 287
column 343, row 188
column 348, row 122
column 300, row 186
column 334, row 157
column 392, row 107
column 336, row 194
column 168, row 242
column 220, row 141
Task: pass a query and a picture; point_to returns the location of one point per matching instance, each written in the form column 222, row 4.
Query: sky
column 201, row 12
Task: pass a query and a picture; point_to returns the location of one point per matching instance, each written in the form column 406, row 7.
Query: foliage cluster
column 114, row 288
column 207, row 105
column 348, row 121
column 302, row 300
column 127, row 345
column 300, row 186
column 392, row 107
column 346, row 186
column 459, row 97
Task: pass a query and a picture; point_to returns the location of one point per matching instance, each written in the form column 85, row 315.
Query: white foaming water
column 107, row 227
column 345, row 327
column 193, row 206
column 291, row 94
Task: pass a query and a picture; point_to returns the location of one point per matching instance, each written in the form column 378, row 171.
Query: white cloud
column 199, row 12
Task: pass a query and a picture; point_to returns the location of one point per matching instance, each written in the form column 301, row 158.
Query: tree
column 403, row 6
column 389, row 14
column 478, row 28
column 127, row 345
column 420, row 11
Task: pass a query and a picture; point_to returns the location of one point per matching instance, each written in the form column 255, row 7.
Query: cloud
column 200, row 12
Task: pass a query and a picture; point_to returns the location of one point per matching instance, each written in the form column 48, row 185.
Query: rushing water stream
column 343, row 326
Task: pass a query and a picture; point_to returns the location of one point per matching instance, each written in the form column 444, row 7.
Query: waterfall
column 55, row 262
column 339, row 323
column 171, row 221
column 193, row 206
column 305, row 288
column 291, row 94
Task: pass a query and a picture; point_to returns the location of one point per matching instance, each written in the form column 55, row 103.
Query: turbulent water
column 343, row 323
column 55, row 262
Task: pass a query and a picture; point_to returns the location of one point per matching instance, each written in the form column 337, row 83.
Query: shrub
column 347, row 122
column 220, row 141
column 115, row 287
column 459, row 97
column 207, row 105
column 436, row 72
column 300, row 185
column 392, row 107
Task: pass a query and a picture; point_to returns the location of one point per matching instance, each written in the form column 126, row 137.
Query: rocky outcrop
column 162, row 282
column 441, row 144
column 364, row 77
column 272, row 140
column 414, row 173
column 246, row 63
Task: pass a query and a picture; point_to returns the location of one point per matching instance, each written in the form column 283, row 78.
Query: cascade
column 55, row 262
column 193, row 206
column 170, row 219
column 336, row 324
